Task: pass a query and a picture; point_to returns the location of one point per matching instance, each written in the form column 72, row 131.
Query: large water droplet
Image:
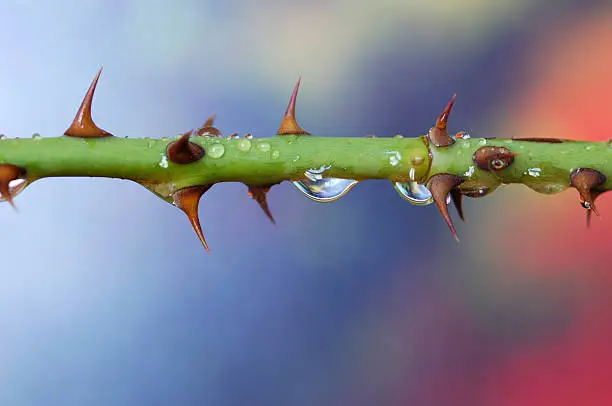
column 215, row 151
column 16, row 186
column 263, row 146
column 244, row 145
column 414, row 193
column 321, row 189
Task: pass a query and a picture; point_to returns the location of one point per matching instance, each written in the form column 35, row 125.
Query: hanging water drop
column 414, row 193
column 323, row 190
column 215, row 151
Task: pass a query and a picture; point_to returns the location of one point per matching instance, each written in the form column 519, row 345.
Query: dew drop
column 398, row 136
column 163, row 162
column 248, row 136
column 275, row 154
column 323, row 190
column 215, row 151
column 263, row 146
column 234, row 136
column 3, row 137
column 244, row 145
column 414, row 193
column 36, row 136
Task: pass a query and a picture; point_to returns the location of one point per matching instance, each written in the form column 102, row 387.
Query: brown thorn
column 585, row 180
column 588, row 218
column 182, row 151
column 440, row 185
column 208, row 128
column 289, row 124
column 258, row 193
column 457, row 200
column 439, row 134
column 188, row 200
column 8, row 173
column 83, row 125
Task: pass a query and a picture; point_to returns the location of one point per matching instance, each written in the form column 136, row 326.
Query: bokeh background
column 107, row 297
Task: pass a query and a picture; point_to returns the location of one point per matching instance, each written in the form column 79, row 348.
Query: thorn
column 8, row 173
column 83, row 125
column 208, row 129
column 258, row 193
column 440, row 186
column 458, row 201
column 588, row 218
column 439, row 134
column 289, row 124
column 182, row 151
column 188, row 200
column 585, row 180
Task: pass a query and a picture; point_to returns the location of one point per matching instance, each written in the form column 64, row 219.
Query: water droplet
column 417, row 160
column 263, row 146
column 248, row 136
column 163, row 162
column 535, row 172
column 244, row 145
column 398, row 136
column 3, row 137
column 215, row 151
column 165, row 139
column 548, row 188
column 275, row 154
column 234, row 136
column 394, row 157
column 414, row 193
column 36, row 136
column 464, row 135
column 16, row 186
column 297, row 158
column 321, row 189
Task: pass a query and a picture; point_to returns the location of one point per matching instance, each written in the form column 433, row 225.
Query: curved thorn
column 188, row 200
column 458, row 201
column 439, row 134
column 289, row 125
column 440, row 186
column 182, row 151
column 83, row 125
column 585, row 181
column 208, row 128
column 258, row 193
column 8, row 173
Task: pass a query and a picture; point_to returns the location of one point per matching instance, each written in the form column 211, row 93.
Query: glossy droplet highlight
column 323, row 190
column 414, row 193
column 244, row 145
column 263, row 146
column 215, row 151
column 275, row 154
column 15, row 187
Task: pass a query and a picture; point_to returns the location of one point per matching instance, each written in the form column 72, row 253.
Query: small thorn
column 83, row 125
column 588, row 218
column 183, row 151
column 258, row 193
column 188, row 200
column 586, row 181
column 289, row 124
column 439, row 134
column 440, row 186
column 8, row 173
column 208, row 129
column 458, row 201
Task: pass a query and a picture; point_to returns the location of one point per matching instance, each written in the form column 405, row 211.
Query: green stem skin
column 544, row 167
column 261, row 161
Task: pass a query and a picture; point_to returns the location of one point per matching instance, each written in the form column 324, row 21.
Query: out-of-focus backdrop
column 107, row 297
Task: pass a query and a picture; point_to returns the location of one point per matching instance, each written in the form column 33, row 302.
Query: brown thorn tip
column 588, row 218
column 183, row 151
column 289, row 124
column 586, row 181
column 443, row 119
column 83, row 125
column 8, row 173
column 258, row 193
column 188, row 200
column 458, row 201
column 440, row 186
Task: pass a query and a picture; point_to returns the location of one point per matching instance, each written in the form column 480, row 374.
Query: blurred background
column 107, row 297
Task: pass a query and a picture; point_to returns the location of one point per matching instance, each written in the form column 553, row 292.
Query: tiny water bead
column 163, row 162
column 263, row 146
column 414, row 193
column 244, row 145
column 36, row 136
column 394, row 157
column 275, row 154
column 215, row 151
column 323, row 190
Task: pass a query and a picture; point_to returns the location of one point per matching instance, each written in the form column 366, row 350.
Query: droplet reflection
column 321, row 189
column 414, row 193
column 16, row 186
